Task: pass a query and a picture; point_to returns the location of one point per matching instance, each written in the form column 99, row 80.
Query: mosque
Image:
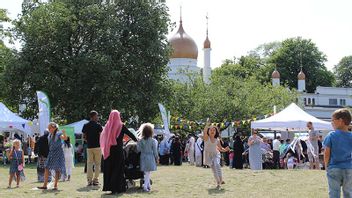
column 324, row 101
column 183, row 61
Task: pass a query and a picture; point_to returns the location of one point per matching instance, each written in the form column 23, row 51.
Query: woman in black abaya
column 111, row 143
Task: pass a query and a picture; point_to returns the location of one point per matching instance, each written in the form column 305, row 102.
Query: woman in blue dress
column 56, row 158
column 255, row 153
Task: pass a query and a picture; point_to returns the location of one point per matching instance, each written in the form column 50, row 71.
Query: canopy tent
column 9, row 121
column 291, row 118
column 78, row 126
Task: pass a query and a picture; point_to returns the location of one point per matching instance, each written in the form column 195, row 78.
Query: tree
column 92, row 56
column 297, row 52
column 228, row 97
column 6, row 54
column 343, row 72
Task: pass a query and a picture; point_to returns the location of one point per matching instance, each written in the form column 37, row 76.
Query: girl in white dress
column 212, row 147
column 68, row 152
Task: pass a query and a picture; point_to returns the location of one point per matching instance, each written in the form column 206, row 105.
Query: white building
column 324, row 101
column 183, row 60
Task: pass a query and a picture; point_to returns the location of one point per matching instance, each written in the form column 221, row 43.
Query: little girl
column 212, row 147
column 291, row 161
column 16, row 157
column 149, row 154
column 68, row 153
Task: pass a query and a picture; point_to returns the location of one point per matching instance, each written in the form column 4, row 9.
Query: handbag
column 19, row 166
column 20, row 169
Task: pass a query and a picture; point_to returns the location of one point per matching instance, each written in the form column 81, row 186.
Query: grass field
column 186, row 181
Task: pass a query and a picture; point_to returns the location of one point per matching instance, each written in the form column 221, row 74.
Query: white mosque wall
column 182, row 68
column 326, row 100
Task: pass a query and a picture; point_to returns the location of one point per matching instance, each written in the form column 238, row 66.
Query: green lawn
column 186, row 181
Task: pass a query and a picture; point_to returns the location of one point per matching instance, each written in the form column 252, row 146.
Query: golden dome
column 301, row 76
column 206, row 43
column 275, row 74
column 183, row 45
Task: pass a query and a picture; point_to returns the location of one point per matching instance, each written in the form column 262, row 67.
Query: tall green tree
column 229, row 96
column 343, row 72
column 297, row 52
column 6, row 54
column 92, row 56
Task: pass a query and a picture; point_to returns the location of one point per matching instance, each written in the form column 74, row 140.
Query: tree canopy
column 295, row 53
column 343, row 72
column 91, row 56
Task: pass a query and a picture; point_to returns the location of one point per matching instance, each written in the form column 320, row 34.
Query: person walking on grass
column 56, row 158
column 313, row 151
column 91, row 134
column 68, row 152
column 338, row 155
column 212, row 147
column 16, row 157
column 149, row 154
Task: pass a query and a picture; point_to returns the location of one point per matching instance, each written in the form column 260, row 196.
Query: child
column 68, row 153
column 338, row 155
column 212, row 147
column 16, row 157
column 149, row 153
column 291, row 161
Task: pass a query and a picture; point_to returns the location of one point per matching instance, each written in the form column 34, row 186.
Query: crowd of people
column 106, row 149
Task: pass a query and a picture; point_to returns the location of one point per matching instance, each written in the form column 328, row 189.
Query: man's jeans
column 340, row 177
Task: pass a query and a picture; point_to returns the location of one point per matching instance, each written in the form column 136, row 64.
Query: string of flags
column 185, row 124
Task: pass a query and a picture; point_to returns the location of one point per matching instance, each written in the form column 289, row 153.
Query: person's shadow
column 130, row 191
column 215, row 191
column 88, row 188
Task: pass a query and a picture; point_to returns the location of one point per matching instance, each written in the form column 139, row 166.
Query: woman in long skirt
column 111, row 142
column 56, row 159
column 255, row 153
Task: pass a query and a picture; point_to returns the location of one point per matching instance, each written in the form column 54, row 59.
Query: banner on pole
column 44, row 111
column 165, row 117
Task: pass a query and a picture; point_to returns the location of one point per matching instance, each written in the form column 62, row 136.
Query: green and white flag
column 165, row 117
column 44, row 111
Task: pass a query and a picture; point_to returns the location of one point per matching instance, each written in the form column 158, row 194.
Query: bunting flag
column 44, row 111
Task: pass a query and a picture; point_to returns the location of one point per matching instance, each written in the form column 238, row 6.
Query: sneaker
column 95, row 183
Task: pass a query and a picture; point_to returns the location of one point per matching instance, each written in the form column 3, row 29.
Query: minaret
column 301, row 81
column 275, row 78
column 207, row 49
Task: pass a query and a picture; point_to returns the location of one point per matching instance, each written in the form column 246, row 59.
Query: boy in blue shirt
column 338, row 155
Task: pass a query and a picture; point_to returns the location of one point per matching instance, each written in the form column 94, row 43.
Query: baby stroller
column 268, row 161
column 132, row 163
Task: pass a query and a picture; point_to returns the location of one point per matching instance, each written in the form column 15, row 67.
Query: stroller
column 268, row 160
column 132, row 163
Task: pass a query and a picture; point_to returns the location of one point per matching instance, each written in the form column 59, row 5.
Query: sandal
column 55, row 189
column 8, row 187
column 42, row 188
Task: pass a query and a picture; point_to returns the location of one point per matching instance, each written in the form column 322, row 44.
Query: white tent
column 9, row 121
column 292, row 118
column 78, row 126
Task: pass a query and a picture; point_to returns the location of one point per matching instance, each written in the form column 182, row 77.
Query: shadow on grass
column 88, row 188
column 130, row 191
column 215, row 191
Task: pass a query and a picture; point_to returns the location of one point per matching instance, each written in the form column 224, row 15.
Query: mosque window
column 313, row 101
column 343, row 102
column 309, row 101
column 332, row 101
column 305, row 101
